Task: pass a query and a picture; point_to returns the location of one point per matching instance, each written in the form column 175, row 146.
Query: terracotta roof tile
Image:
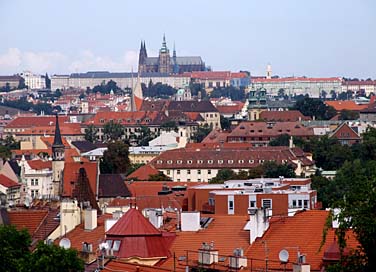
column 283, row 116
column 71, row 171
column 225, row 231
column 27, row 219
column 7, row 182
column 143, row 173
column 118, row 265
column 30, row 121
column 340, row 105
column 39, row 164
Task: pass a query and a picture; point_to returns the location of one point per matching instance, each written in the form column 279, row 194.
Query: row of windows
column 218, row 161
column 189, row 172
column 300, row 203
column 102, row 121
column 34, row 182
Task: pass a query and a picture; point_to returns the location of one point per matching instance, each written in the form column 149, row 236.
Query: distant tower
column 58, row 155
column 269, row 71
column 142, row 58
column 164, row 59
column 175, row 68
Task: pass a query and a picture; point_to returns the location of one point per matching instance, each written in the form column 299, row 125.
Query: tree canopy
column 115, row 159
column 158, row 90
column 315, row 107
column 16, row 256
column 113, row 131
column 91, row 133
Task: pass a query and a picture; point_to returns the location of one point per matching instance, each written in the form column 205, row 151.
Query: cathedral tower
column 269, row 71
column 164, row 59
column 58, row 157
column 142, row 56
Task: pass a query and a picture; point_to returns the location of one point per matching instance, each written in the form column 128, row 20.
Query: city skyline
column 302, row 39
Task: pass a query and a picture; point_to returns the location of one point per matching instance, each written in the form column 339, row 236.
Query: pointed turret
column 58, row 141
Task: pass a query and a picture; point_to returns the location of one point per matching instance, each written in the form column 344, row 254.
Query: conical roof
column 133, row 223
column 58, row 141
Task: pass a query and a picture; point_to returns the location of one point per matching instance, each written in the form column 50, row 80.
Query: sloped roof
column 33, row 121
column 143, row 173
column 344, row 131
column 226, row 232
column 133, row 223
column 340, row 105
column 7, row 182
column 27, row 219
column 192, row 106
column 283, row 116
column 371, row 108
column 304, row 231
column 71, row 171
column 84, row 146
column 112, row 185
column 39, row 164
column 118, row 265
column 79, row 235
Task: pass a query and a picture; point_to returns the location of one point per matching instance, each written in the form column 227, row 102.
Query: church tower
column 142, row 56
column 164, row 60
column 58, row 156
column 269, row 71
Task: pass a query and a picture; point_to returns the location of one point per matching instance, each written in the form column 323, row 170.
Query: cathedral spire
column 57, row 139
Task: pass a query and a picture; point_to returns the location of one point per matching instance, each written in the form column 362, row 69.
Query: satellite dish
column 283, row 256
column 65, row 243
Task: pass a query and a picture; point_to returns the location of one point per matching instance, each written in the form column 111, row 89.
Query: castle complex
column 164, row 63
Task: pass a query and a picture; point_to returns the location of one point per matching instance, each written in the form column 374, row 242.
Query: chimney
column 259, row 222
column 90, row 217
column 156, row 217
column 190, row 221
column 238, row 260
column 70, row 216
column 207, row 254
column 291, row 142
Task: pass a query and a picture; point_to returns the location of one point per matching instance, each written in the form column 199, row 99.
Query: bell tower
column 164, row 59
column 58, row 157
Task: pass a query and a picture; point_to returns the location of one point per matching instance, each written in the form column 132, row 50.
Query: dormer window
column 189, row 162
column 220, row 161
column 230, row 161
column 179, row 161
column 210, row 161
column 169, row 161
column 159, row 162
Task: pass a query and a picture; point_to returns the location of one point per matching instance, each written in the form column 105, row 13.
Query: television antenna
column 65, row 243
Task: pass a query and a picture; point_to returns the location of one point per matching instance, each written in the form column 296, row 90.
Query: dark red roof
column 133, row 223
column 71, row 171
column 143, row 173
column 39, row 164
column 35, row 121
column 284, row 116
column 7, row 182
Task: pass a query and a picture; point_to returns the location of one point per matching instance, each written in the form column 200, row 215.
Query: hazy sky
column 301, row 37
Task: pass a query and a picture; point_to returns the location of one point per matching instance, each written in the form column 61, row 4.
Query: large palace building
column 164, row 63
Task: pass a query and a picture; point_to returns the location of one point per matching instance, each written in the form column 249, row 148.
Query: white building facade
column 33, row 81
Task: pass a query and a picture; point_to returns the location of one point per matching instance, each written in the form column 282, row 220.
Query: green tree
column 275, row 170
column 16, row 256
column 333, row 94
column 201, row 133
column 354, row 193
column 159, row 177
column 349, row 115
column 169, row 126
column 115, row 159
column 14, row 248
column 225, row 123
column 113, row 131
column 53, row 258
column 315, row 107
column 91, row 133
column 281, row 140
column 223, row 175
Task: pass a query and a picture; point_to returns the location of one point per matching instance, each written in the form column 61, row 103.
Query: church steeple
column 58, row 142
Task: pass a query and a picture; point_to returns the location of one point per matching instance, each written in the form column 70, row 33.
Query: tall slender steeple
column 58, row 157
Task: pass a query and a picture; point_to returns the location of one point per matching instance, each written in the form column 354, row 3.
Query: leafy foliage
column 106, row 88
column 158, row 90
column 234, row 93
column 91, row 133
column 113, row 131
column 225, row 123
column 201, row 133
column 349, row 115
column 115, row 159
column 315, row 107
column 15, row 254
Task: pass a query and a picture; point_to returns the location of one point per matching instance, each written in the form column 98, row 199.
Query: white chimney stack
column 259, row 222
column 90, row 216
column 156, row 217
column 190, row 221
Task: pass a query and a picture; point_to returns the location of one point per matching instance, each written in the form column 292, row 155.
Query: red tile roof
column 7, row 182
column 303, row 231
column 283, row 116
column 216, row 136
column 65, row 129
column 27, row 219
column 340, row 105
column 30, row 121
column 71, row 171
column 79, row 235
column 39, row 164
column 139, row 238
column 133, row 223
column 118, row 265
column 225, row 231
column 143, row 173
column 231, row 109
